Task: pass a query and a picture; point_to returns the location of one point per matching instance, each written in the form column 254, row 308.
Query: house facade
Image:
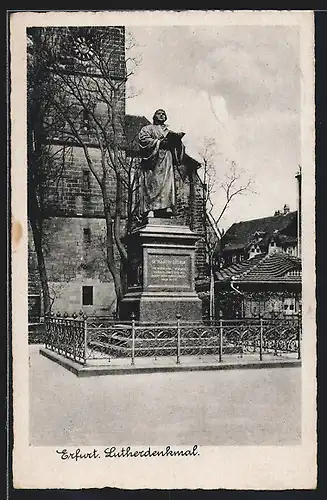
column 259, row 273
column 247, row 239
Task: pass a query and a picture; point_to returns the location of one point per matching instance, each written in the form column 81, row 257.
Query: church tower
column 74, row 227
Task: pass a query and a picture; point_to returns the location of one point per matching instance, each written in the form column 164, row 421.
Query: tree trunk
column 35, row 221
column 115, row 273
column 37, row 238
column 117, row 233
column 212, row 312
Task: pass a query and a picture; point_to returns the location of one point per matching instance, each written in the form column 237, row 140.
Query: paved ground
column 237, row 407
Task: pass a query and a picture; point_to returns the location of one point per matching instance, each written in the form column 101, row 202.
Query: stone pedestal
column 161, row 280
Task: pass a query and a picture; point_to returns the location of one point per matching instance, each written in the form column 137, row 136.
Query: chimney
column 298, row 177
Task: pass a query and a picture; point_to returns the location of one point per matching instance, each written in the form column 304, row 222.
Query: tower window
column 87, row 293
column 86, row 180
column 87, row 235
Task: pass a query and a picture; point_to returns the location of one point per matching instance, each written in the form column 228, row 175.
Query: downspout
column 236, row 290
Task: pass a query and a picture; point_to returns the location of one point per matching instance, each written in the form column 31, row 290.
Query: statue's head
column 159, row 116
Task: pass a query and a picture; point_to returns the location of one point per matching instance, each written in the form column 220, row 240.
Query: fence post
column 299, row 338
column 178, row 316
column 261, row 335
column 276, row 342
column 220, row 339
column 46, row 331
column 85, row 339
column 133, row 339
column 65, row 327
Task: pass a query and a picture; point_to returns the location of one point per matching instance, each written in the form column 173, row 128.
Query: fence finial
column 74, row 315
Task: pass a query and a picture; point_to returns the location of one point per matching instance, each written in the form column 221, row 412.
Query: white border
column 226, row 467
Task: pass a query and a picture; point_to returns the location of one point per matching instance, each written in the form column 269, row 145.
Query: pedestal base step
column 160, row 308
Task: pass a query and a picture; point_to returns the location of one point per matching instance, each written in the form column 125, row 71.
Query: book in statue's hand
column 174, row 137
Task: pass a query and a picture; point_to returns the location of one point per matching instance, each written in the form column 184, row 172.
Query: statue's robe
column 158, row 168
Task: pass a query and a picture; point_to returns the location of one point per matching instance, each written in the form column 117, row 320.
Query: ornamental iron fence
column 88, row 340
column 66, row 336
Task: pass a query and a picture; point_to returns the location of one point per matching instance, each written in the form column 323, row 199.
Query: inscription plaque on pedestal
column 169, row 271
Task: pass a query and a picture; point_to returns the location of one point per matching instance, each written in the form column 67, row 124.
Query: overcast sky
column 239, row 85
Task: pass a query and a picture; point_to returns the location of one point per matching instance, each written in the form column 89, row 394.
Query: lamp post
column 298, row 177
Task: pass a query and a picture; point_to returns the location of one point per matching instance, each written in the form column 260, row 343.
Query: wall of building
column 68, row 297
column 200, row 224
column 75, row 255
column 272, row 307
column 75, row 246
column 75, row 189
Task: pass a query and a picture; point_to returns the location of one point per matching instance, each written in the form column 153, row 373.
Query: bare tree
column 43, row 165
column 89, row 97
column 233, row 183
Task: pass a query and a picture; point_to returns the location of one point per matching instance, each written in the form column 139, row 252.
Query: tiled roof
column 227, row 273
column 272, row 267
column 241, row 234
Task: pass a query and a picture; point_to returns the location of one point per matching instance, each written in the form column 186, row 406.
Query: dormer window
column 258, row 235
column 273, row 247
column 253, row 251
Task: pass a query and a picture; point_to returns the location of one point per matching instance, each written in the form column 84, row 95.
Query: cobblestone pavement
column 237, row 407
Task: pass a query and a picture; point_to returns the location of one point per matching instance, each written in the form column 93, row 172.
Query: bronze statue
column 161, row 150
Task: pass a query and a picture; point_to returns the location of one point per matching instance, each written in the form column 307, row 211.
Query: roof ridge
column 244, row 273
column 136, row 116
column 287, row 256
column 265, row 217
column 269, row 266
